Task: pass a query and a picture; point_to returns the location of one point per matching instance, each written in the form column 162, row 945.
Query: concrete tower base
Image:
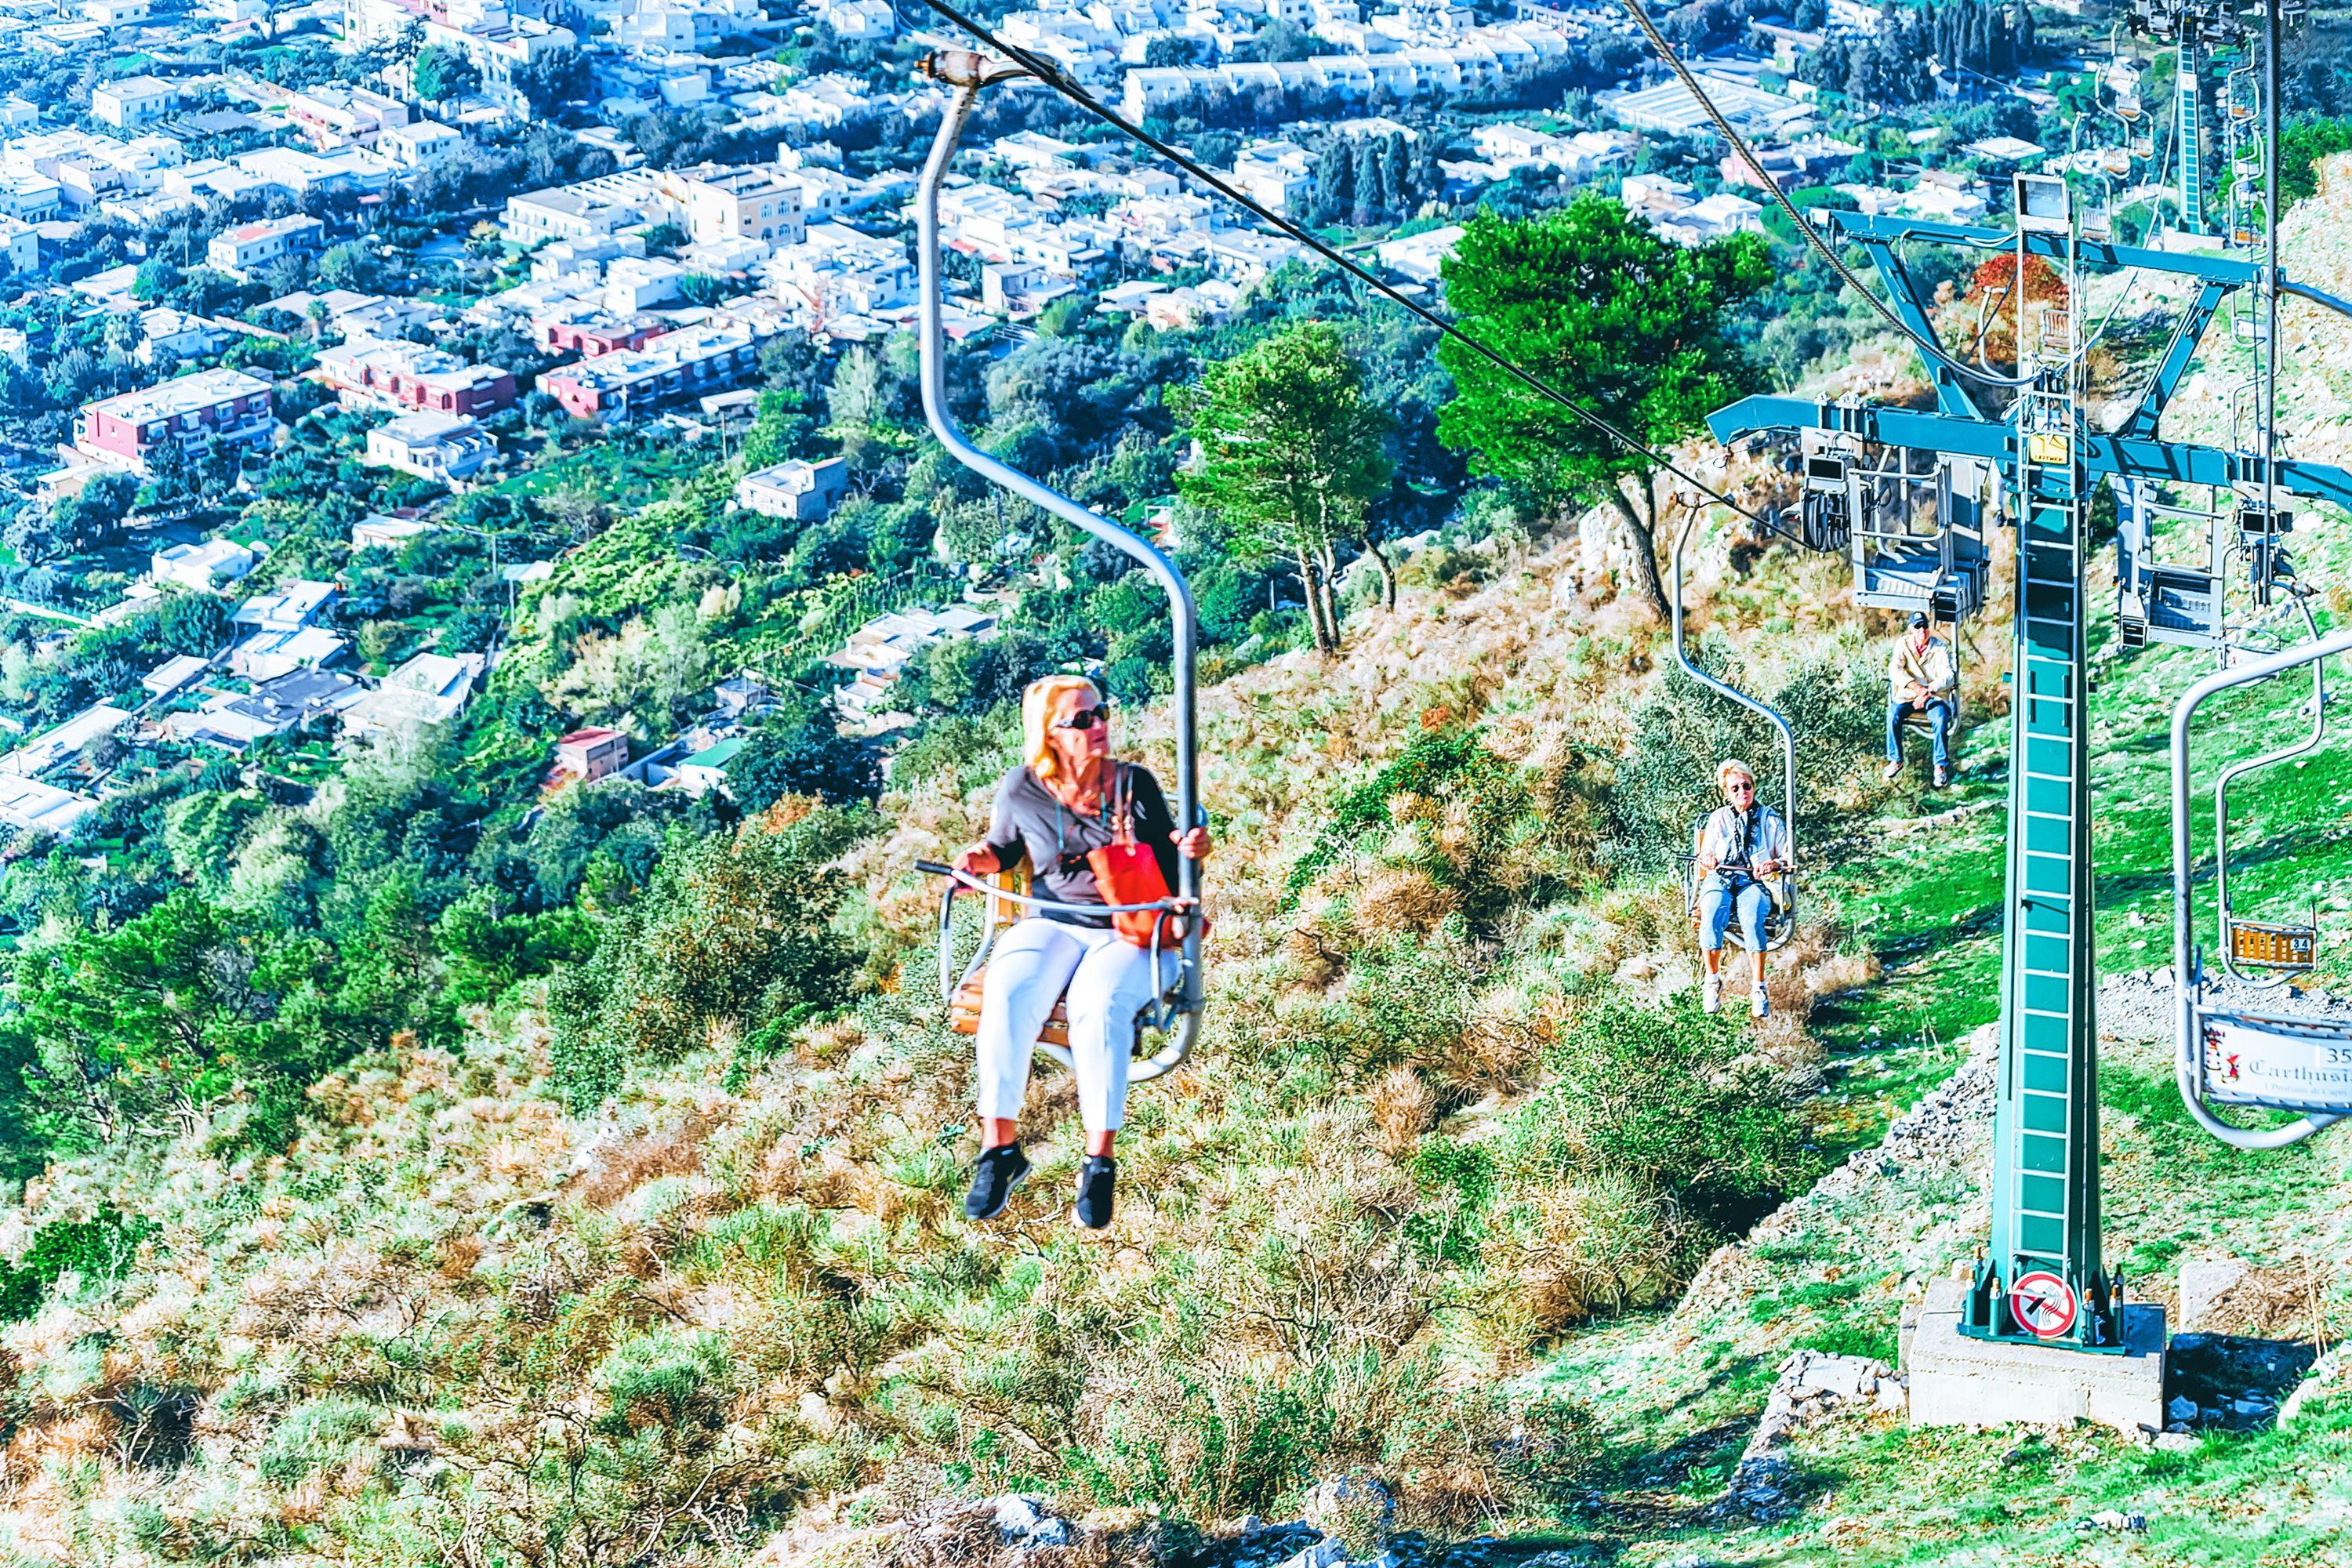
column 1958, row 1381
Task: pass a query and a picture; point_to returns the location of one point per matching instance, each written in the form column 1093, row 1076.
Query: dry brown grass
column 612, row 1170
column 1392, row 900
column 1404, row 1109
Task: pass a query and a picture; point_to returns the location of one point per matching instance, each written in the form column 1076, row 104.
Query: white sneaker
column 1758, row 1002
column 1710, row 994
column 1894, row 771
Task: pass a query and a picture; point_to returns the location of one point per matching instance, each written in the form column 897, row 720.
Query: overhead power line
column 1051, row 73
column 1731, row 134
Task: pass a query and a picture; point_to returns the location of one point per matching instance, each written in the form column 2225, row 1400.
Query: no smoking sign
column 2043, row 1303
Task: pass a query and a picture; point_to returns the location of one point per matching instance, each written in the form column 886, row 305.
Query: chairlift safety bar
column 2189, row 1066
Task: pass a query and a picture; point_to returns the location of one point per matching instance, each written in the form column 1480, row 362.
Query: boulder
column 1324, row 1553
column 2205, row 1283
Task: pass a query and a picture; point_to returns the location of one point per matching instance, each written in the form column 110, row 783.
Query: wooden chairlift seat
column 970, row 990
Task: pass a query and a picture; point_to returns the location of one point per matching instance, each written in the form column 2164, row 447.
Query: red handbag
column 1129, row 873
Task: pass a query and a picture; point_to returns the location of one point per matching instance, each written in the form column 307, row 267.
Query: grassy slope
column 1921, row 890
column 441, row 1241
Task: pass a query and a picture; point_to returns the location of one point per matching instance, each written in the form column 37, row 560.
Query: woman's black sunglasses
column 1084, row 718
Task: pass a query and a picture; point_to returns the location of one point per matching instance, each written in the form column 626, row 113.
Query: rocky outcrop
column 1812, row 1387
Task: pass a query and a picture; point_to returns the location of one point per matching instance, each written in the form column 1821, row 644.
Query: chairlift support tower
column 2046, row 1199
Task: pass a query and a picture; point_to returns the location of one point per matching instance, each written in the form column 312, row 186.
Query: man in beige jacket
column 1922, row 677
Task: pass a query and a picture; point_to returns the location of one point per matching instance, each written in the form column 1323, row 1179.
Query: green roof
column 716, row 756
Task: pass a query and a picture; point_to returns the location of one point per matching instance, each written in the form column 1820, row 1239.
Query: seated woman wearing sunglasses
column 1741, row 849
column 1053, row 808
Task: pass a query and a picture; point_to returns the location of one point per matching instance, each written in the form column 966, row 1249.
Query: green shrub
column 314, row 1436
column 1665, row 1093
column 734, row 930
column 98, row 1248
column 1473, row 809
column 1665, row 781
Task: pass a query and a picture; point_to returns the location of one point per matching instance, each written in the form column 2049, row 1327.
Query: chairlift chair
column 1780, row 907
column 2160, row 601
column 2099, row 216
column 2240, row 1056
column 1177, row 1006
column 1917, row 538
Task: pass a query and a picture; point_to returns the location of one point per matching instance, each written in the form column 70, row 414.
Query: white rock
column 1835, row 1375
column 1892, row 1398
column 1324, row 1553
column 2176, row 1442
column 2204, row 1283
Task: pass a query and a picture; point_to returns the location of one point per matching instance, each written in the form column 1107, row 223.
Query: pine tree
column 1367, row 184
column 1395, row 178
column 2025, row 40
column 1428, row 181
column 1334, row 181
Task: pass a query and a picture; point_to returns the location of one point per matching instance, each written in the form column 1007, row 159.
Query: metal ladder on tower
column 2191, row 129
column 2043, row 1280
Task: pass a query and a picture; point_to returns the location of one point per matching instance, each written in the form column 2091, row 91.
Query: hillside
column 1452, row 1194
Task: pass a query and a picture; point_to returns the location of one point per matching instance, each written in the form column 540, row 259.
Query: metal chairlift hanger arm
column 1052, row 74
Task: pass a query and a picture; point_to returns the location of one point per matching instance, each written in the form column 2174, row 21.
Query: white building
column 249, row 247
column 165, row 331
column 286, row 609
column 265, row 656
column 20, row 245
column 804, row 492
column 204, row 567
column 493, row 39
column 604, row 206
column 432, row 446
column 421, row 142
column 132, row 101
column 633, row 282
column 431, row 689
column 377, row 532
column 1420, row 256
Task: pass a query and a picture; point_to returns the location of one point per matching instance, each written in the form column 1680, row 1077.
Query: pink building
column 616, row 387
column 189, row 409
column 592, row 754
column 600, row 333
column 402, row 374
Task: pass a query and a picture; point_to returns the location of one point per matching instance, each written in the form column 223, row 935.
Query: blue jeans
column 1938, row 711
column 1717, row 896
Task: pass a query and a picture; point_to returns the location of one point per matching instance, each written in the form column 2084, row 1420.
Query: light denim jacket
column 1715, row 840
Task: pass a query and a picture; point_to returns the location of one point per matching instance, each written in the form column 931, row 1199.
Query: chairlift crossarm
column 2169, row 462
column 1951, row 397
column 2187, row 332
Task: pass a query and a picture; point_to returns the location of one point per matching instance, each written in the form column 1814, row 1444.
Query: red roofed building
column 402, row 374
column 592, row 754
column 600, row 333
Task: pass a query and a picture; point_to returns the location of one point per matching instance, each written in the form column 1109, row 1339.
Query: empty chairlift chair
column 1915, row 523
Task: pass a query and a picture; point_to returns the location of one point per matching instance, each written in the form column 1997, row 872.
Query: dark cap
column 1919, row 618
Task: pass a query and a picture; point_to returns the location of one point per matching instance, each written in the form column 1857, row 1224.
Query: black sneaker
column 993, row 1176
column 1096, row 1177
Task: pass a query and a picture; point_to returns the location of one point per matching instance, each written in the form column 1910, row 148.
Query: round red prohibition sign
column 2043, row 1303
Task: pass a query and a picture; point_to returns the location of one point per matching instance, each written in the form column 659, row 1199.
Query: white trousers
column 1110, row 982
